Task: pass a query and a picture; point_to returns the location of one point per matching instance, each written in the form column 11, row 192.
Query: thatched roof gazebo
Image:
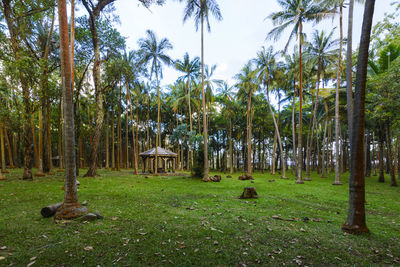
column 167, row 157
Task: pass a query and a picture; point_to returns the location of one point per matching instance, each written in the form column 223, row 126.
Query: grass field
column 182, row 221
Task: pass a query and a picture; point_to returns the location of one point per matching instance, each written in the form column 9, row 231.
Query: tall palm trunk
column 294, row 159
column 349, row 71
column 355, row 222
column 40, row 152
column 337, row 115
column 381, row 178
column 107, row 143
column 314, row 122
column 203, row 101
column 126, row 142
column 158, row 120
column 60, row 133
column 135, row 161
column 249, row 165
column 27, row 105
column 92, row 171
column 119, row 132
column 70, row 207
column 190, row 122
column 300, row 146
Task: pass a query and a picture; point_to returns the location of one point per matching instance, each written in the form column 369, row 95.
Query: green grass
column 183, row 221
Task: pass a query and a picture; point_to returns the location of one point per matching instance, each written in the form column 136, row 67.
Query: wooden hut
column 168, row 159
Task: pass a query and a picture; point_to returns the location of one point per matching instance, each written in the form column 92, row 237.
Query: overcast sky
column 232, row 41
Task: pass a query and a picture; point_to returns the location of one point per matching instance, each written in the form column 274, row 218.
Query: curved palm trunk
column 70, row 207
column 279, row 138
column 300, row 147
column 355, row 222
column 203, row 101
column 337, row 115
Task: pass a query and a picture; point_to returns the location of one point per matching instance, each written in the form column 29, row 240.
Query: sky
column 232, row 42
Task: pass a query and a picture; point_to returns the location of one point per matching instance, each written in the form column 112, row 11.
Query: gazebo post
column 144, row 164
column 173, row 164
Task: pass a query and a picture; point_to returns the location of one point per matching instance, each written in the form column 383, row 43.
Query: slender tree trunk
column 3, row 155
column 337, row 114
column 9, row 149
column 325, row 145
column 70, row 207
column 112, row 141
column 60, row 133
column 355, row 222
column 381, row 178
column 158, row 121
column 203, row 101
column 35, row 145
column 349, row 71
column 126, row 142
column 40, row 152
column 249, row 167
column 231, row 169
column 119, row 132
column 368, row 156
column 107, row 143
column 300, row 146
column 390, row 155
column 294, row 159
column 135, row 161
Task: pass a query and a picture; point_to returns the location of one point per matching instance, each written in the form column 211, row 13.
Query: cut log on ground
column 245, row 177
column 215, row 178
column 249, row 192
column 50, row 210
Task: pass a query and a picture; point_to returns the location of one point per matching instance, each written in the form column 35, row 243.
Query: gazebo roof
column 160, row 151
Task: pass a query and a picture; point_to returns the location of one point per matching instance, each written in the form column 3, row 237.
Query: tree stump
column 245, row 177
column 215, row 178
column 248, row 192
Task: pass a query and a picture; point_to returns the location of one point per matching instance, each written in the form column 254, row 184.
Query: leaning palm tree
column 296, row 12
column 191, row 69
column 154, row 53
column 200, row 10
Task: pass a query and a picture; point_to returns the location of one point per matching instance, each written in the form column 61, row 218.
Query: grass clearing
column 182, row 221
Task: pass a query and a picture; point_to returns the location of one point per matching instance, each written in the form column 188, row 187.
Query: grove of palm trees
column 309, row 122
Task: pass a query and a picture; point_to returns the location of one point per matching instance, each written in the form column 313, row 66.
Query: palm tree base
column 70, row 211
column 299, row 182
column 284, row 178
column 323, row 176
column 39, row 174
column 337, row 183
column 355, row 229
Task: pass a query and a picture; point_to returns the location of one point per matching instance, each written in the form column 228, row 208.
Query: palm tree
column 355, row 222
column 191, row 69
column 296, row 12
column 70, row 207
column 200, row 10
column 154, row 53
column 322, row 49
column 247, row 86
column 266, row 68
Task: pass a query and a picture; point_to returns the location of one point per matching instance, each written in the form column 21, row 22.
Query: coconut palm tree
column 296, row 12
column 355, row 222
column 70, row 207
column 191, row 68
column 266, row 68
column 321, row 49
column 153, row 52
column 200, row 10
column 247, row 85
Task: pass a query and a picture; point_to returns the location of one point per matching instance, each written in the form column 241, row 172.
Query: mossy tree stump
column 249, row 192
